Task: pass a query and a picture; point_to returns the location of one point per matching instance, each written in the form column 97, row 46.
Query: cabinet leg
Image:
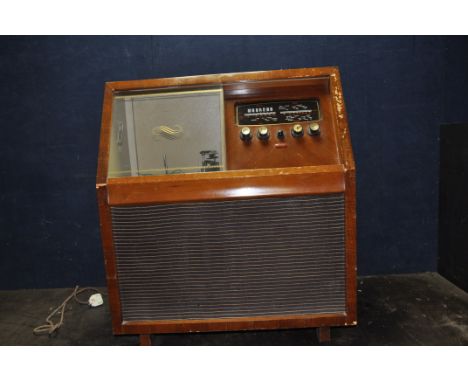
column 323, row 334
column 145, row 340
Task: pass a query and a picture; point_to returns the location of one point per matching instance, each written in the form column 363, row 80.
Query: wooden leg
column 145, row 340
column 323, row 334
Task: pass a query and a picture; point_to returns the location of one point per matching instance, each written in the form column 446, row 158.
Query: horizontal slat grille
column 256, row 257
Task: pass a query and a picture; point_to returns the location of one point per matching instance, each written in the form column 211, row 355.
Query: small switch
column 280, row 134
column 314, row 129
column 297, row 131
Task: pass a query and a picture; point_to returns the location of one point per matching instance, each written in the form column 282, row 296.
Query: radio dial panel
column 273, row 113
column 288, row 127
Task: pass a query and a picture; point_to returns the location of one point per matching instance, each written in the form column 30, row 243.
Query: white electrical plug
column 95, row 300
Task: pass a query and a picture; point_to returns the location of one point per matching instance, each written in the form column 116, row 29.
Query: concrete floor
column 415, row 309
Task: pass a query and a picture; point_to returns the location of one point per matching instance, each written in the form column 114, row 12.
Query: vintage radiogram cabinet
column 227, row 202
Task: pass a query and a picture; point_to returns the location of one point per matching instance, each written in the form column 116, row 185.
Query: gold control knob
column 263, row 133
column 246, row 134
column 314, row 129
column 297, row 131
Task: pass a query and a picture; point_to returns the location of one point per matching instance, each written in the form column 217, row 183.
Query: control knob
column 246, row 134
column 314, row 129
column 263, row 133
column 297, row 131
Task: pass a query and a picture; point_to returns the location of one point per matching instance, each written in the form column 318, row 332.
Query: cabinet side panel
column 109, row 259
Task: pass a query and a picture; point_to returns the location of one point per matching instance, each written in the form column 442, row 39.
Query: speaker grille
column 222, row 259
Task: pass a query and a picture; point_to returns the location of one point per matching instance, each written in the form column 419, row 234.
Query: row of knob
column 263, row 134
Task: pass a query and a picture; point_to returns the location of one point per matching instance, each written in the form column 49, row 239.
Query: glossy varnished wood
column 289, row 151
column 331, row 169
column 109, row 259
column 231, row 80
column 104, row 142
column 347, row 159
column 226, row 185
column 350, row 232
column 227, row 324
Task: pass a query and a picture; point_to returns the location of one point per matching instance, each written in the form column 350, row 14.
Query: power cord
column 51, row 327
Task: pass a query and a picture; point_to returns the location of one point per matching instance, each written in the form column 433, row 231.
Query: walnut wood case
column 303, row 185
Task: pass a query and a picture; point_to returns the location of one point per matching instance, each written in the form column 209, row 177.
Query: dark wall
column 398, row 90
column 453, row 204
